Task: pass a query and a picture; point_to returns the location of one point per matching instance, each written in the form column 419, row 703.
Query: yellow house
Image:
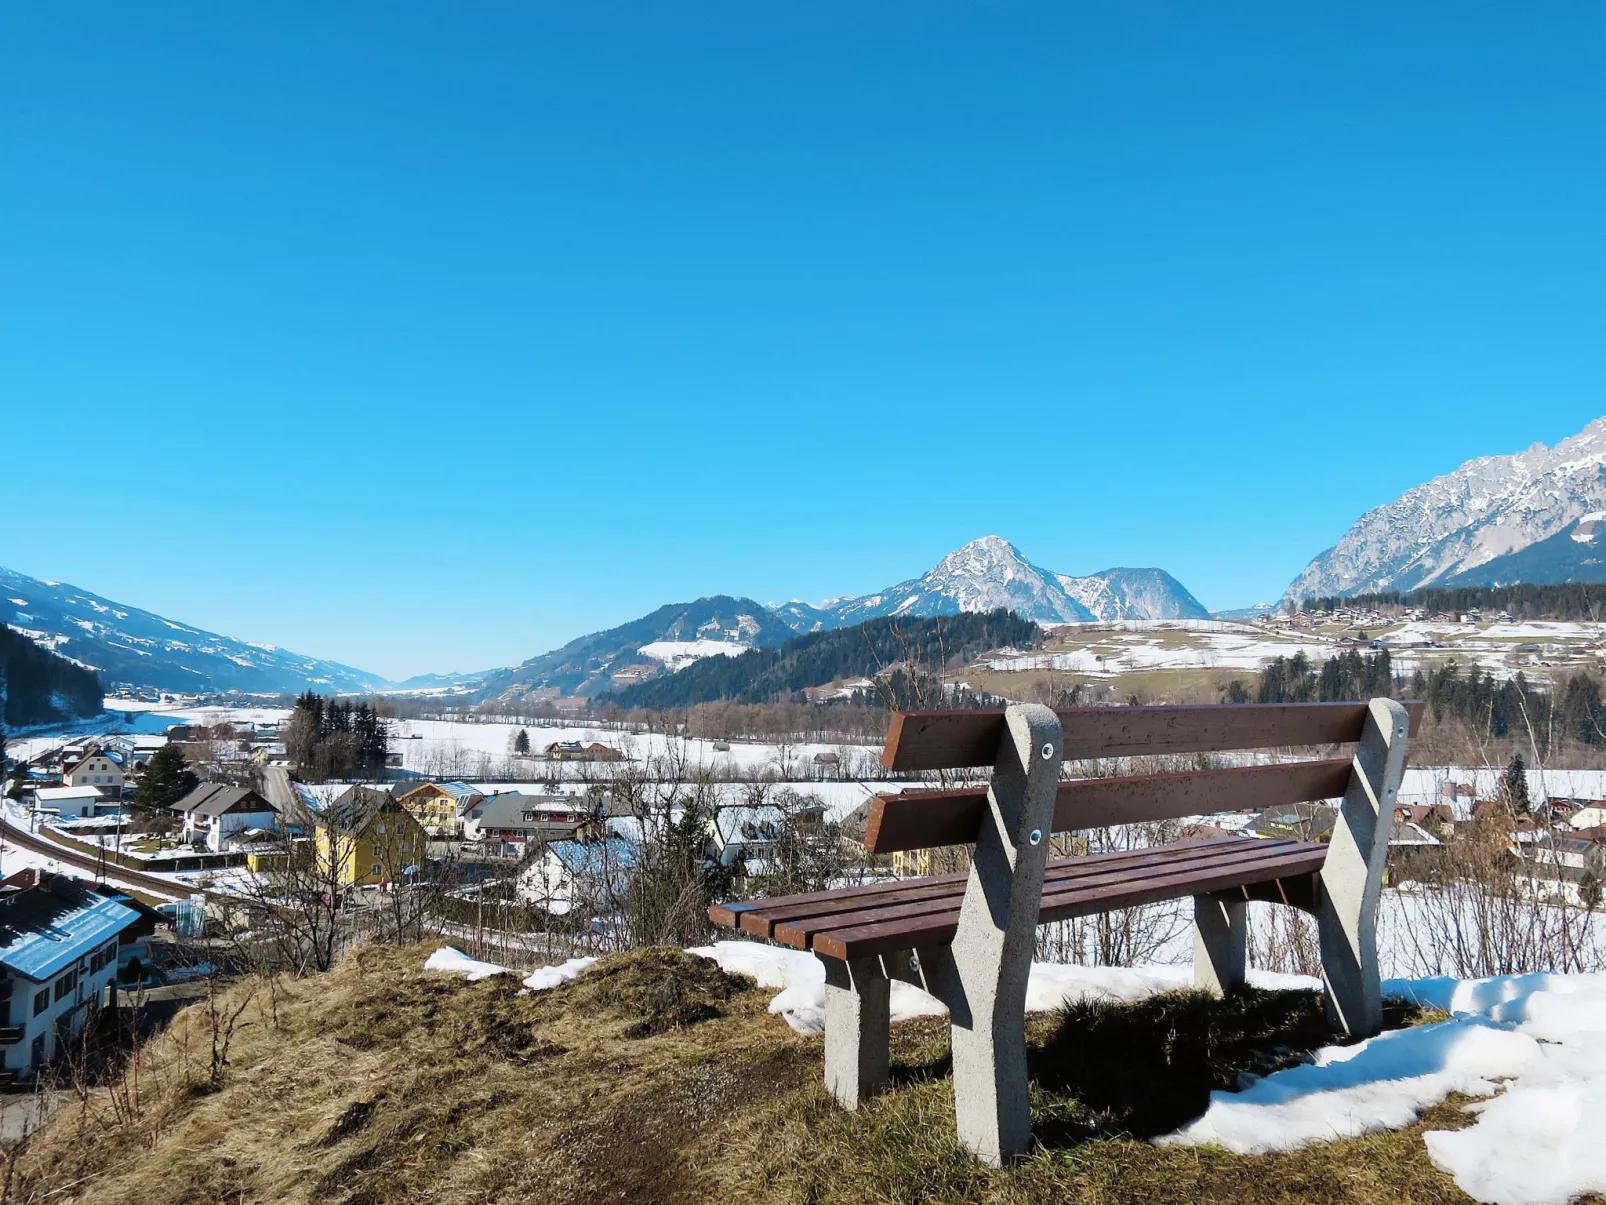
column 439, row 806
column 366, row 837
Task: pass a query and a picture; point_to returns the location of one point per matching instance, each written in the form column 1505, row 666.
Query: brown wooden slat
column 923, row 819
column 887, row 936
column 826, row 909
column 1096, row 802
column 757, row 916
column 943, row 740
column 798, row 932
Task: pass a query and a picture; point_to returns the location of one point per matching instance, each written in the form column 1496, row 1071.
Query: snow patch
column 676, row 655
column 453, row 961
column 1534, row 1043
column 543, row 978
column 801, row 978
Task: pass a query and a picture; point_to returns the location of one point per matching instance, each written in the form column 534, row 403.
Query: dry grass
column 657, row 1077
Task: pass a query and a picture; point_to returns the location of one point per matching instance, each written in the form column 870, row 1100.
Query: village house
column 590, row 875
column 504, row 825
column 631, row 674
column 1437, row 819
column 95, row 768
column 68, row 803
column 1295, row 822
column 576, row 751
column 746, row 835
column 1567, row 868
column 58, row 951
column 135, row 748
column 133, row 943
column 222, row 815
column 366, row 838
column 439, row 806
column 1587, row 815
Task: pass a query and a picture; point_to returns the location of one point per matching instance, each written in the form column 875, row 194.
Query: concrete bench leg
column 1352, row 878
column 992, row 950
column 1220, row 943
column 857, row 1020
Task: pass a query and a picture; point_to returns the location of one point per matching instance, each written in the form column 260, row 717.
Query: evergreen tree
column 167, row 779
column 1514, row 786
column 521, row 743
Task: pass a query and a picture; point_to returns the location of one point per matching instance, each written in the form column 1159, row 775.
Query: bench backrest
column 945, row 740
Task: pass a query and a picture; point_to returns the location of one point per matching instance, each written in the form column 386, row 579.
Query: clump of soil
column 657, row 990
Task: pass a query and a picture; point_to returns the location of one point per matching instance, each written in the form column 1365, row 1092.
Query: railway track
column 164, row 890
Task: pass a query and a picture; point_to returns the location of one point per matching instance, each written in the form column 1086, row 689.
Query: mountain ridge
column 987, row 574
column 129, row 644
column 990, row 572
column 1460, row 527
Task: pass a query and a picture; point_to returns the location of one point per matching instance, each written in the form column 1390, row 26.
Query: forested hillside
column 1572, row 709
column 1567, row 600
column 40, row 687
column 767, row 675
column 583, row 665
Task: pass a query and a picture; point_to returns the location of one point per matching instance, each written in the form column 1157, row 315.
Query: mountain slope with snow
column 984, row 575
column 126, row 644
column 1461, row 528
column 670, row 638
column 990, row 573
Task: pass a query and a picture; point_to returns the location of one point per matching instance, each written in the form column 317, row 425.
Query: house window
column 376, row 871
column 41, row 1001
column 404, row 847
column 381, row 830
column 379, row 851
column 66, row 983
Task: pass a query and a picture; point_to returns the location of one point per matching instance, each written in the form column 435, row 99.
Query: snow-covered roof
column 595, row 857
column 62, row 794
column 49, row 931
column 749, row 824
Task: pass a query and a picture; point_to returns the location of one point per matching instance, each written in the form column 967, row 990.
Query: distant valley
column 1536, row 516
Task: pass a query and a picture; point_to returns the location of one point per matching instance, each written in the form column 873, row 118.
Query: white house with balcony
column 58, row 951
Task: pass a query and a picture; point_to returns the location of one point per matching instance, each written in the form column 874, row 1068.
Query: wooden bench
column 968, row 938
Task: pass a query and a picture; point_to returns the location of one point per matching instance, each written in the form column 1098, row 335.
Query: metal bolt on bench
column 967, row 939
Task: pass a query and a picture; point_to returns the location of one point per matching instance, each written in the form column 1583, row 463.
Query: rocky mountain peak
column 1461, row 528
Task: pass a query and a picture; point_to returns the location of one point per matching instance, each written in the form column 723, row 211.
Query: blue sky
column 427, row 338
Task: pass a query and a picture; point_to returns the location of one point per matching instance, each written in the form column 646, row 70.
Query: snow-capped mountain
column 982, row 576
column 1467, row 527
column 990, row 573
column 126, row 644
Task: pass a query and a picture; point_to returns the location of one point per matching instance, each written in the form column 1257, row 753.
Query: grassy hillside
column 767, row 675
column 658, row 1077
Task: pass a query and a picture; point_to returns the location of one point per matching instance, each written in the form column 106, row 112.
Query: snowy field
column 1111, row 650
column 1531, row 1048
column 445, row 747
column 1108, row 652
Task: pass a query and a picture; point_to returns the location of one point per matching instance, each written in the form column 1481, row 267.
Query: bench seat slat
column 922, row 819
column 1221, row 873
column 950, row 889
column 945, row 740
column 1075, row 875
